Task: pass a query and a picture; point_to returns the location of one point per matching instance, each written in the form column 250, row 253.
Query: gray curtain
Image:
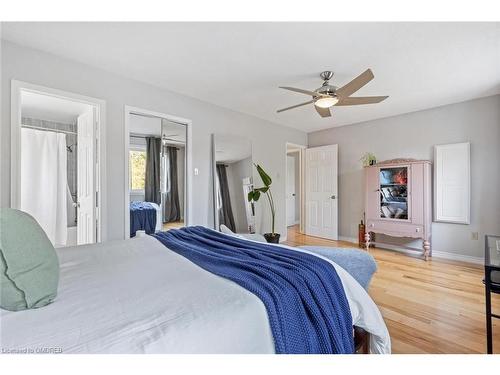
column 170, row 204
column 225, row 210
column 152, row 190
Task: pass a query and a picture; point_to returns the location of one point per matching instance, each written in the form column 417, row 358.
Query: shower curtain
column 44, row 181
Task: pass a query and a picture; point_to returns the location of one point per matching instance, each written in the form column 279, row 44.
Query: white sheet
column 159, row 219
column 136, row 296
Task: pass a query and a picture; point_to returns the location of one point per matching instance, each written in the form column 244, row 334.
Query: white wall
column 413, row 135
column 268, row 139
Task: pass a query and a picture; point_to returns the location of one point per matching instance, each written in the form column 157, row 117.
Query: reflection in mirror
column 232, row 178
column 157, row 162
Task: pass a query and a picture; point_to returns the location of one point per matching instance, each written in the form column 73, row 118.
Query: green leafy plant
column 255, row 194
column 368, row 159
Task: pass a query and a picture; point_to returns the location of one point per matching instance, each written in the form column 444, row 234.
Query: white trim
column 349, row 239
column 15, row 154
column 415, row 252
column 459, row 257
column 188, row 188
column 434, row 253
column 136, row 191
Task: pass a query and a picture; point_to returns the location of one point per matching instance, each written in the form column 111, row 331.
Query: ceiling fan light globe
column 326, row 102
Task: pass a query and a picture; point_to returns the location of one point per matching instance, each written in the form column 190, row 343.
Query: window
column 137, row 165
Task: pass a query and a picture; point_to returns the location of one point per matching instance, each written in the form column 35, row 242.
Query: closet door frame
column 188, row 167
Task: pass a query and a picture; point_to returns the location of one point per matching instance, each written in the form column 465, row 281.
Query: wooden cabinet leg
column 367, row 240
column 427, row 249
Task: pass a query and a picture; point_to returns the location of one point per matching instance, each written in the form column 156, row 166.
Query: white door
column 290, row 190
column 86, row 191
column 321, row 192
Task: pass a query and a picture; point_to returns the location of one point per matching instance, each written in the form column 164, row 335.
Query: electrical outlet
column 475, row 236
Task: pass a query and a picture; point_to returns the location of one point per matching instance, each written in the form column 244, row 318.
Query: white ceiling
column 230, row 149
column 241, row 65
column 50, row 108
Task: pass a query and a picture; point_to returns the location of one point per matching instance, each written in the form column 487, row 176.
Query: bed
column 145, row 216
column 138, row 296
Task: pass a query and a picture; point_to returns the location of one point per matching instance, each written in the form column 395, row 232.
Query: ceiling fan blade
column 361, row 100
column 301, row 91
column 295, row 106
column 355, row 84
column 323, row 112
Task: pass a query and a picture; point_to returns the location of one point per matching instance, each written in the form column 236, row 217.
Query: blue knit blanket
column 304, row 297
column 142, row 217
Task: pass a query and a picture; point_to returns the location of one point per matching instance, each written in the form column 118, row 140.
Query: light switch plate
column 475, row 236
column 196, row 172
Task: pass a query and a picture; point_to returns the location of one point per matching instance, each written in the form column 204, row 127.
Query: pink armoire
column 398, row 200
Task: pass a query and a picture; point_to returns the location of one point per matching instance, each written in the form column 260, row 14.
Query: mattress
column 137, row 296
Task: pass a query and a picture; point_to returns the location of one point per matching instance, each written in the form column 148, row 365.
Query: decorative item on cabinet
column 398, row 201
column 368, row 159
column 361, row 234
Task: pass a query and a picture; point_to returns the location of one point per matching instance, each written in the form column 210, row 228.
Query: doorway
column 321, row 191
column 312, row 190
column 157, row 159
column 294, row 189
column 56, row 164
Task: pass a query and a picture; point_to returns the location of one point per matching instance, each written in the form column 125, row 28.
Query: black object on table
column 491, row 282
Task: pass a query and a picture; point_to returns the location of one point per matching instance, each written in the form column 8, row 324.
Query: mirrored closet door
column 232, row 181
column 157, row 173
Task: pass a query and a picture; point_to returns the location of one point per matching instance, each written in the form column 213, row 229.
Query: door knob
column 333, row 197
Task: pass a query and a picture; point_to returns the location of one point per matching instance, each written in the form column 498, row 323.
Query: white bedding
column 159, row 218
column 136, row 296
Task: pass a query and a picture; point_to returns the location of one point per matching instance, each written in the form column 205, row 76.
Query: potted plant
column 368, row 159
column 255, row 194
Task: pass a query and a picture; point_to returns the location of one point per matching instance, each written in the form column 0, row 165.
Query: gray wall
column 413, row 135
column 268, row 139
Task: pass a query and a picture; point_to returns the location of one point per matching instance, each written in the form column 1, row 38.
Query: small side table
column 491, row 282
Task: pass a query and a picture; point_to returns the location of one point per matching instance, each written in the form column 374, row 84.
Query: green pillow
column 29, row 268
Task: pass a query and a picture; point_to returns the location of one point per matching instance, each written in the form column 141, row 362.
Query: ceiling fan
column 328, row 96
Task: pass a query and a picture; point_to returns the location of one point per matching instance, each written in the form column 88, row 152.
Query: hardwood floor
column 173, row 225
column 429, row 307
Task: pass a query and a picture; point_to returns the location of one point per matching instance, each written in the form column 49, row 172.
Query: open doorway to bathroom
column 156, row 162
column 57, row 171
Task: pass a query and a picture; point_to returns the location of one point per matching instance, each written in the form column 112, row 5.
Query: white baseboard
column 415, row 251
column 434, row 253
column 460, row 257
column 348, row 239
